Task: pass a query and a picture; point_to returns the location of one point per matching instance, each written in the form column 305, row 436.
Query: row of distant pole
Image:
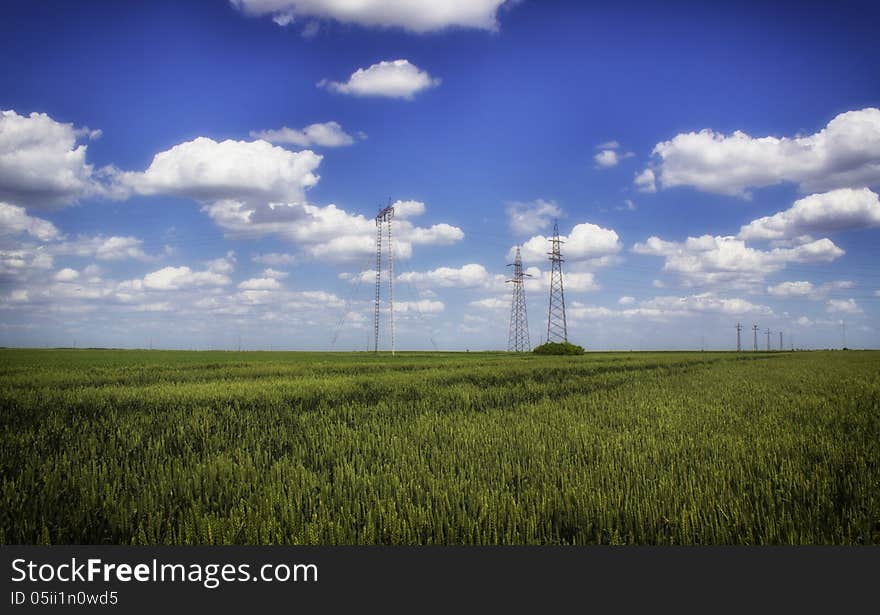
column 755, row 330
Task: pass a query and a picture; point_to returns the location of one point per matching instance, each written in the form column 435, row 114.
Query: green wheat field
column 167, row 447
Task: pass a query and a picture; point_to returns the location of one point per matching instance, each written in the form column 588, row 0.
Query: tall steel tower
column 383, row 221
column 739, row 329
column 767, row 333
column 518, row 332
column 557, row 328
column 755, row 337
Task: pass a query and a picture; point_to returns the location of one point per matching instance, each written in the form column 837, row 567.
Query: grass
column 166, row 447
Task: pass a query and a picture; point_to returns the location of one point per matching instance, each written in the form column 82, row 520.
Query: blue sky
column 204, row 174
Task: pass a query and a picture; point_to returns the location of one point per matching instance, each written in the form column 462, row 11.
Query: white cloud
column 14, row 220
column 585, row 242
column 422, row 306
column 66, row 275
column 326, row 232
column 532, row 216
column 205, row 170
column 645, row 181
column 178, row 278
column 327, row 134
column 666, row 308
column 807, row 289
column 408, row 209
column 626, row 300
column 467, row 276
column 705, row 302
column 846, row 153
column 491, row 303
column 608, row 158
column 837, row 210
column 608, row 145
column 23, row 261
column 224, row 264
column 792, row 289
column 103, row 248
column 274, row 259
column 842, row 306
column 390, row 79
column 260, row 284
column 728, row 260
column 413, row 15
column 41, row 164
column 274, row 274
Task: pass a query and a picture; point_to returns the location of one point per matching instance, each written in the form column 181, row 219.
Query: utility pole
column 383, row 220
column 518, row 331
column 843, row 332
column 557, row 328
column 739, row 329
column 780, row 340
column 755, row 338
column 767, row 333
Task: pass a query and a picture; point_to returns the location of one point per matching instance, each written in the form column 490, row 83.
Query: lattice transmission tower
column 518, row 332
column 739, row 329
column 557, row 329
column 383, row 222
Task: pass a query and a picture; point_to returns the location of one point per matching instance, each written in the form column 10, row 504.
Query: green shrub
column 558, row 348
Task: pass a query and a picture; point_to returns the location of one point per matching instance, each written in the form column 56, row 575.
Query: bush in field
column 558, row 348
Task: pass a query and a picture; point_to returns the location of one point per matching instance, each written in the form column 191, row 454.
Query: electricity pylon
column 780, row 340
column 739, row 329
column 755, row 338
column 518, row 333
column 767, row 333
column 383, row 220
column 557, row 328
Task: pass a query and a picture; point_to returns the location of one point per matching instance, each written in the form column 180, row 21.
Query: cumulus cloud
column 178, row 278
column 41, row 164
column 274, row 259
column 609, row 156
column 413, row 15
column 837, row 210
column 325, row 232
column 585, row 242
column 14, row 220
column 728, row 260
column 467, row 276
column 204, row 169
column 842, row 306
column 24, row 260
column 645, row 181
column 802, row 288
column 103, row 248
column 666, row 308
column 422, row 306
column 390, row 79
column 327, row 134
column 529, row 217
column 846, row 153
column 408, row 209
column 260, row 284
column 66, row 275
